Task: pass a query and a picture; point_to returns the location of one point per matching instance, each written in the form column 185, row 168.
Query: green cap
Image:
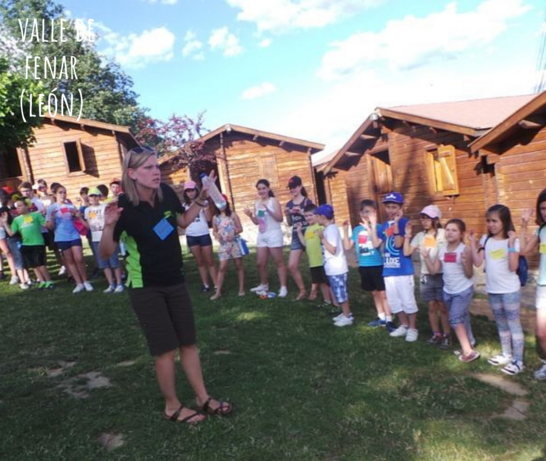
column 94, row 191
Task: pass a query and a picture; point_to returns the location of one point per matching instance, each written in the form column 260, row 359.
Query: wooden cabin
column 423, row 152
column 513, row 157
column 244, row 155
column 71, row 152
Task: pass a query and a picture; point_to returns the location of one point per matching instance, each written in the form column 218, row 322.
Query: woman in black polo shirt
column 146, row 217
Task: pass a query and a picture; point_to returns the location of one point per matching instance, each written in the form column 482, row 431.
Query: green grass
column 302, row 389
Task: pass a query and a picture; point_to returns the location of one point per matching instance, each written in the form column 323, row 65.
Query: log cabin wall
column 336, row 195
column 99, row 150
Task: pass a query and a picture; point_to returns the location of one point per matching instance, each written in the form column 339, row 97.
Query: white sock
column 381, row 316
column 388, row 318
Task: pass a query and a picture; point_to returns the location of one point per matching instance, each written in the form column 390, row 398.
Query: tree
column 107, row 91
column 14, row 131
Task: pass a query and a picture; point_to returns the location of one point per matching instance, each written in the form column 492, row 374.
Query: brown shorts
column 165, row 315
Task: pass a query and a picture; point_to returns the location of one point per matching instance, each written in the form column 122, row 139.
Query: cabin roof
column 472, row 118
column 531, row 114
column 82, row 122
column 229, row 127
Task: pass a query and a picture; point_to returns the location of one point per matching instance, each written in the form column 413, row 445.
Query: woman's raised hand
column 247, row 211
column 112, row 213
column 526, row 215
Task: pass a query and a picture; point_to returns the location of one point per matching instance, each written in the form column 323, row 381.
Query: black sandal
column 176, row 414
column 224, row 408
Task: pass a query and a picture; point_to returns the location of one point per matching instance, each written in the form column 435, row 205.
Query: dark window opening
column 73, row 156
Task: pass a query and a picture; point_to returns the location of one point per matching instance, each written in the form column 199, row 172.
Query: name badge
column 260, row 213
column 430, row 241
column 542, row 249
column 163, row 229
column 497, row 254
column 450, row 258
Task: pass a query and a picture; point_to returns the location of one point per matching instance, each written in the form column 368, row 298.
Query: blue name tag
column 163, row 229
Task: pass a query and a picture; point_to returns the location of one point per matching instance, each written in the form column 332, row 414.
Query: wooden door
column 382, row 182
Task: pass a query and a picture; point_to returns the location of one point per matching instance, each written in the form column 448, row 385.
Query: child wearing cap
column 370, row 261
column 94, row 216
column 397, row 268
column 335, row 263
column 294, row 217
column 430, row 240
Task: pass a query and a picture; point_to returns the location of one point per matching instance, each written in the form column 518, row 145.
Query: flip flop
column 224, row 408
column 176, row 414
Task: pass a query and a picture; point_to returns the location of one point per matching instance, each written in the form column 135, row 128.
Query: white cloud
column 413, row 42
column 163, row 2
column 136, row 51
column 259, row 91
column 225, row 41
column 265, row 43
column 192, row 46
column 286, row 15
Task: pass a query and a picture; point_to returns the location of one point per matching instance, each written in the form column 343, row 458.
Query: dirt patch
column 126, row 363
column 79, row 386
column 517, row 411
column 502, row 383
column 221, row 352
column 111, row 441
column 63, row 366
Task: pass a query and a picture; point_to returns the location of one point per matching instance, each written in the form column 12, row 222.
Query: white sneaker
column 62, row 271
column 412, row 335
column 513, row 368
column 540, row 374
column 14, row 280
column 119, row 289
column 24, row 286
column 340, row 316
column 87, row 286
column 500, row 360
column 110, row 289
column 260, row 288
column 79, row 288
column 402, row 330
column 344, row 321
column 283, row 292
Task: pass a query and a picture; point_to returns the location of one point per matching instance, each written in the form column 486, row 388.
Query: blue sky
column 315, row 69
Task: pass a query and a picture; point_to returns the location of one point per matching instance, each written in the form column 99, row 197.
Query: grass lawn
column 302, row 389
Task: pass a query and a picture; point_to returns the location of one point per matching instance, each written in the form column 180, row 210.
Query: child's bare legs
column 541, row 333
column 79, row 262
column 239, row 266
column 5, row 250
column 293, row 267
column 262, row 255
column 326, row 293
column 117, row 275
column 197, row 254
column 380, row 301
column 460, row 331
column 109, row 276
column 313, row 294
column 409, row 320
column 42, row 274
column 278, row 257
column 208, row 261
column 71, row 266
column 220, row 276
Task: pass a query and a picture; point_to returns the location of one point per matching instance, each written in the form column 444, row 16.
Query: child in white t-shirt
column 335, row 263
column 500, row 250
column 94, row 216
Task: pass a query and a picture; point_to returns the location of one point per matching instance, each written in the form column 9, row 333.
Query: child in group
column 500, row 249
column 432, row 238
column 538, row 242
column 29, row 225
column 60, row 218
column 94, row 217
column 453, row 262
column 397, row 268
column 311, row 242
column 226, row 226
column 370, row 262
column 335, row 263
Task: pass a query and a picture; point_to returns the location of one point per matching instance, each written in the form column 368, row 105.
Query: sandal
column 176, row 414
column 224, row 408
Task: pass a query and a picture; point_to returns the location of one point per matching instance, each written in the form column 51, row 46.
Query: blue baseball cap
column 393, row 197
column 326, row 211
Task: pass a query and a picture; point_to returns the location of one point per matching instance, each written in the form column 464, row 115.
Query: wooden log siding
column 408, row 151
column 336, row 195
column 100, row 151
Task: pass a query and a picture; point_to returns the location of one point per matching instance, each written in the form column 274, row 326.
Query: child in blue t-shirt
column 397, row 268
column 370, row 262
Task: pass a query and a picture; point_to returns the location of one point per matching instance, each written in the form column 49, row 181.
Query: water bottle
column 214, row 194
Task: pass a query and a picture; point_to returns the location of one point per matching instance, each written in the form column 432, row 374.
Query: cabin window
column 442, row 167
column 10, row 167
column 74, row 156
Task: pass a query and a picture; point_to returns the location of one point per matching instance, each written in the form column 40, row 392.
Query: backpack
column 523, row 266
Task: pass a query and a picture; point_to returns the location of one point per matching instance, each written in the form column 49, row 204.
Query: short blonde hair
column 135, row 158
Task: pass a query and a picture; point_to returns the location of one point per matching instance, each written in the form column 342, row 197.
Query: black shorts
column 318, row 275
column 371, row 278
column 202, row 241
column 33, row 256
column 165, row 315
